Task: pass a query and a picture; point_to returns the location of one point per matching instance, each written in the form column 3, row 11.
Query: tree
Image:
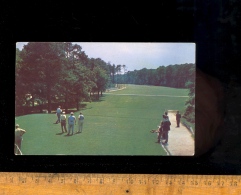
column 110, row 72
column 101, row 80
column 161, row 72
column 113, row 71
column 118, row 70
column 21, row 90
column 40, row 69
column 75, row 80
column 169, row 76
column 190, row 103
column 18, row 60
column 100, row 71
column 59, row 72
column 77, row 85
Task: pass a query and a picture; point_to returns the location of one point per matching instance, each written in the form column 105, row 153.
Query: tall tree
column 113, row 71
column 75, row 71
column 161, row 72
column 190, row 103
column 21, row 89
column 101, row 80
column 41, row 66
column 118, row 70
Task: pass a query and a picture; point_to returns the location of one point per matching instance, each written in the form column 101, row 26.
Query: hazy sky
column 138, row 55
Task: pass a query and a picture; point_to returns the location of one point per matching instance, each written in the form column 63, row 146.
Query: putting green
column 118, row 124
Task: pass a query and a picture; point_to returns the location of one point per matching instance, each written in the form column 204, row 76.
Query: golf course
column 119, row 123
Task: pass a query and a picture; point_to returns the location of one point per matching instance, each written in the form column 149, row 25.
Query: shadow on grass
column 90, row 107
column 68, row 135
column 99, row 100
column 42, row 109
column 60, row 133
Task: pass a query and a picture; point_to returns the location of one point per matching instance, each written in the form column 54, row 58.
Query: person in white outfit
column 80, row 122
column 18, row 139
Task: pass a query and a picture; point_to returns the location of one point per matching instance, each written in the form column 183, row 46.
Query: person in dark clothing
column 166, row 113
column 178, row 117
column 160, row 132
column 165, row 128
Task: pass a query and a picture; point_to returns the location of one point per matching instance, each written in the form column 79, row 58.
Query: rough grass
column 115, row 125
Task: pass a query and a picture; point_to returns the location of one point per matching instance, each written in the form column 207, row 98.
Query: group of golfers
column 162, row 131
column 62, row 119
column 164, row 127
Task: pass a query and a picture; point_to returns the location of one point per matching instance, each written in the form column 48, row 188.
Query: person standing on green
column 58, row 113
column 63, row 122
column 80, row 122
column 71, row 123
column 18, row 139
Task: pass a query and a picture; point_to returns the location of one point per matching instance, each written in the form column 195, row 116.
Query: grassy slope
column 116, row 125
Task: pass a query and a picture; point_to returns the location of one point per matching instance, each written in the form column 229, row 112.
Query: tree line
column 176, row 76
column 61, row 72
column 170, row 76
column 48, row 72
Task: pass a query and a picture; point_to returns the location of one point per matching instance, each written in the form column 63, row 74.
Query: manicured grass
column 153, row 90
column 115, row 125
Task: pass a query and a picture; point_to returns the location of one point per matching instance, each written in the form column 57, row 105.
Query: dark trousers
column 58, row 120
column 165, row 135
column 63, row 126
column 159, row 136
column 178, row 122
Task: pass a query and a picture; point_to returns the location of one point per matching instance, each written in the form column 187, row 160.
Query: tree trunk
column 49, row 105
column 66, row 104
column 49, row 99
column 113, row 77
column 33, row 103
column 77, row 104
column 40, row 106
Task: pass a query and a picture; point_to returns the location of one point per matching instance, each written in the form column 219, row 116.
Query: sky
column 137, row 55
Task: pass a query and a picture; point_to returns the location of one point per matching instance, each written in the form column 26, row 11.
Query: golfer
column 18, row 139
column 63, row 122
column 166, row 128
column 166, row 113
column 178, row 117
column 58, row 113
column 160, row 131
column 71, row 123
column 80, row 122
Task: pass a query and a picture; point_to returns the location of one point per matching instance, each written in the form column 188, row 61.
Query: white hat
column 17, row 125
column 71, row 113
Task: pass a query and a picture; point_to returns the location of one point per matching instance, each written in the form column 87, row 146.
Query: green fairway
column 118, row 124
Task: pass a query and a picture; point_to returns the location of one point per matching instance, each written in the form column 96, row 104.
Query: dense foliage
column 171, row 76
column 177, row 76
column 49, row 73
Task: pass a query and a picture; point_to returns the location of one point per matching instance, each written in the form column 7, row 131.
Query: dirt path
column 180, row 140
